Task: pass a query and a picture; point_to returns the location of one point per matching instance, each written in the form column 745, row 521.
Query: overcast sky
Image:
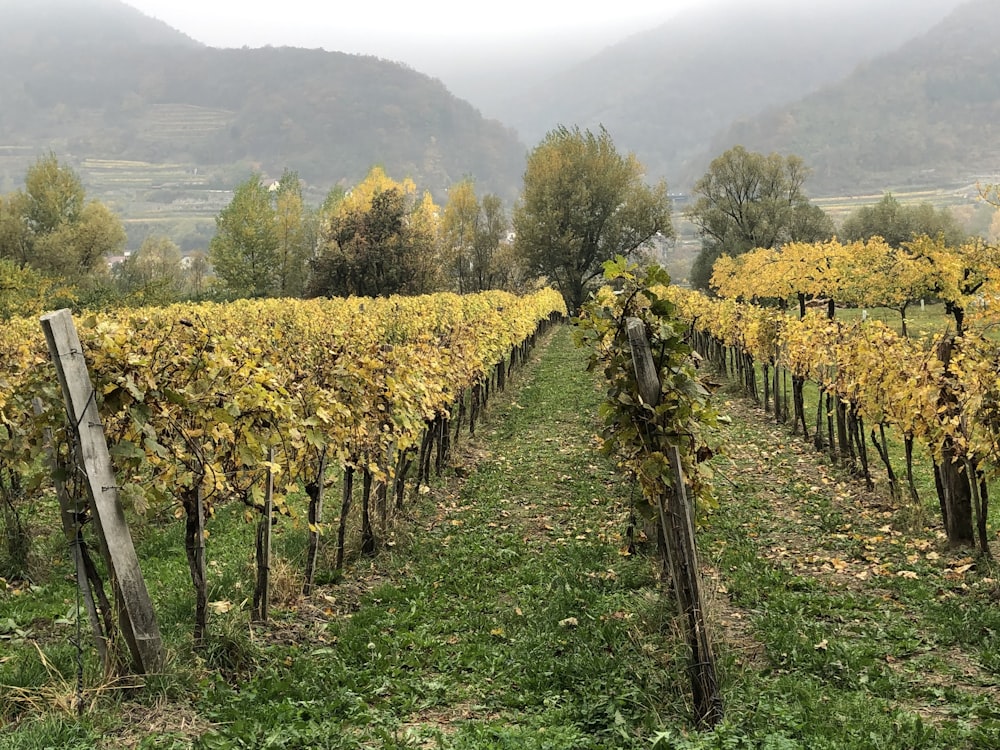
column 375, row 26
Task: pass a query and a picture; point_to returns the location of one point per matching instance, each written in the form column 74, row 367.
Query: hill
column 152, row 119
column 663, row 93
column 926, row 114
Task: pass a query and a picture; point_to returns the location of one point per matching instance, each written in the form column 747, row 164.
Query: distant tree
column 994, row 231
column 489, row 266
column 459, row 227
column 24, row 291
column 584, row 203
column 296, row 235
column 196, row 274
column 50, row 227
column 990, row 194
column 81, row 247
column 55, row 195
column 748, row 200
column 15, row 236
column 153, row 275
column 377, row 240
column 245, row 249
column 471, row 234
column 897, row 223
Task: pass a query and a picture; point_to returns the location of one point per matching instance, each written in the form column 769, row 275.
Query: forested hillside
column 98, row 80
column 663, row 93
column 926, row 114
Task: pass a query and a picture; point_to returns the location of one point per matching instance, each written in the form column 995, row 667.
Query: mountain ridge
column 694, row 75
column 927, row 113
column 139, row 93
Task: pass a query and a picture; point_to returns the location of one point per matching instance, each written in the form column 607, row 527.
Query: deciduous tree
column 244, row 251
column 379, row 239
column 153, row 275
column 471, row 235
column 748, row 200
column 51, row 227
column 584, row 203
column 897, row 223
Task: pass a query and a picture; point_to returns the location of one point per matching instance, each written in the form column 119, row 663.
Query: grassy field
column 504, row 613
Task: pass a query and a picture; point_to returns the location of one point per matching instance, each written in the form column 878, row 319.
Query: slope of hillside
column 111, row 85
column 927, row 114
column 663, row 93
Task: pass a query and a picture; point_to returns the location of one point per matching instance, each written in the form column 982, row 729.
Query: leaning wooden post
column 136, row 617
column 677, row 521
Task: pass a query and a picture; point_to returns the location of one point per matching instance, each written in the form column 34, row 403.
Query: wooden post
column 315, row 490
column 704, row 682
column 137, row 619
column 261, row 591
column 642, row 359
column 677, row 523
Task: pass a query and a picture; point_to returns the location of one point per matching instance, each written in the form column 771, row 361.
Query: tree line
column 582, row 203
column 747, row 201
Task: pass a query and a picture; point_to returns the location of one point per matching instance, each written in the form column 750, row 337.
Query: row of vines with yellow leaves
column 942, row 392
column 201, row 402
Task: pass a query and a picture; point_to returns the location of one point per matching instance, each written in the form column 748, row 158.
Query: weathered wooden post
column 676, row 514
column 315, row 491
column 135, row 610
column 261, row 594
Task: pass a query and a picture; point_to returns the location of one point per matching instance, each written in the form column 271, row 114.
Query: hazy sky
column 372, row 26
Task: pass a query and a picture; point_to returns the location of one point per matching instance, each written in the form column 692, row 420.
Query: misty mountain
column 96, row 81
column 43, row 27
column 665, row 92
column 926, row 114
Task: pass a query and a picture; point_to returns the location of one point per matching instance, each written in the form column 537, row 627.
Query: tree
column 196, row 273
column 459, row 227
column 25, row 292
column 489, row 266
column 55, row 195
column 898, row 224
column 471, row 234
column 379, row 239
column 51, row 227
column 153, row 274
column 582, row 204
column 80, row 247
column 245, row 249
column 295, row 233
column 15, row 237
column 748, row 200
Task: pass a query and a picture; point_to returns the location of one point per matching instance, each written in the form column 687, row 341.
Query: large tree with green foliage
column 897, row 223
column 584, row 203
column 263, row 239
column 244, row 250
column 748, row 200
column 49, row 226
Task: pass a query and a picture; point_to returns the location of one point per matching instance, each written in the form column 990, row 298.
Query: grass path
column 842, row 628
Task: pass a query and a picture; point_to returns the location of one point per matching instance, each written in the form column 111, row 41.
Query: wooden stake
column 137, row 619
column 261, row 592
